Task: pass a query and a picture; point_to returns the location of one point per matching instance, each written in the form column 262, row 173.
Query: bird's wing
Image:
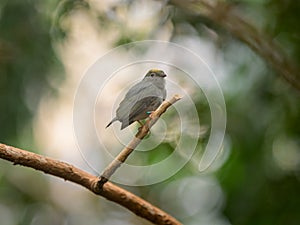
column 132, row 100
column 145, row 104
column 134, row 90
column 148, row 99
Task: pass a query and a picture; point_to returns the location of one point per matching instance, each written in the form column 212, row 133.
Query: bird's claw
column 149, row 113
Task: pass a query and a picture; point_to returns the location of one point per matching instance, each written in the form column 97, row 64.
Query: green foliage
column 28, row 67
column 62, row 10
column 26, row 57
column 284, row 26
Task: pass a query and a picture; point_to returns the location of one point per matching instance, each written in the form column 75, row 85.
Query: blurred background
column 47, row 46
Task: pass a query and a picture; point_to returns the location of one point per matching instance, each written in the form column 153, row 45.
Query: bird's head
column 156, row 77
column 156, row 73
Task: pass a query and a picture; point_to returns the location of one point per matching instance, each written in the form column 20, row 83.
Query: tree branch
column 68, row 172
column 142, row 132
column 109, row 191
column 224, row 15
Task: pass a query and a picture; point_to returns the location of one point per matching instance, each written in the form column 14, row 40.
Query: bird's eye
column 152, row 74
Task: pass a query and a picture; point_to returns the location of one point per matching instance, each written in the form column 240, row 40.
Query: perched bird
column 142, row 99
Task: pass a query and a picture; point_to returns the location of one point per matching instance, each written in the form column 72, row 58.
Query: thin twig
column 69, row 172
column 142, row 132
column 226, row 16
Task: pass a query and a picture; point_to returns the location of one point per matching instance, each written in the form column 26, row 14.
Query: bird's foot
column 140, row 123
column 150, row 114
column 139, row 129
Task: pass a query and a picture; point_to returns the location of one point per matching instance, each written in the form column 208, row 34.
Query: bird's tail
column 113, row 120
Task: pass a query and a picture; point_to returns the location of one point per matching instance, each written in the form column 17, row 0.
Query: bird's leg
column 140, row 123
column 149, row 132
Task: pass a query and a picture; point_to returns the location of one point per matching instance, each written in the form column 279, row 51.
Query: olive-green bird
column 142, row 99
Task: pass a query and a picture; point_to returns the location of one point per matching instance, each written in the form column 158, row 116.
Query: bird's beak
column 163, row 75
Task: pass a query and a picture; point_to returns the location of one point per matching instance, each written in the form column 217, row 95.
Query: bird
column 141, row 99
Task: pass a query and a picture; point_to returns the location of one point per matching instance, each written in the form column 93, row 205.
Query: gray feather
column 141, row 98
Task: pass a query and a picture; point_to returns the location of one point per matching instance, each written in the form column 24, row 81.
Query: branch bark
column 109, row 191
column 224, row 15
